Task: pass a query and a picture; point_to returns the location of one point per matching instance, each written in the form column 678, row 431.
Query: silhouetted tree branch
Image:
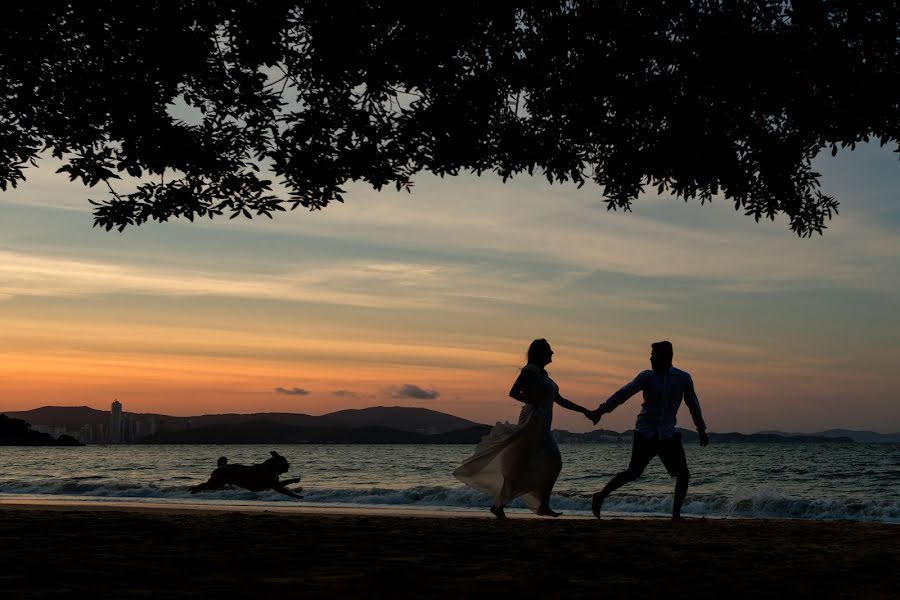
column 696, row 97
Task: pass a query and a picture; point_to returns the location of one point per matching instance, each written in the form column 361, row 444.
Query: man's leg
column 671, row 452
column 642, row 451
column 681, row 488
column 615, row 483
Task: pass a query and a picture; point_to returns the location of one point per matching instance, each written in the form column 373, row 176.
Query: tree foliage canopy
column 699, row 97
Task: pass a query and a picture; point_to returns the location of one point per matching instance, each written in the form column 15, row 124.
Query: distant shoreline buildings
column 121, row 428
column 116, row 423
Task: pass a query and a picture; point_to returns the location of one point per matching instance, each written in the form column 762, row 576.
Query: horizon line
column 761, row 431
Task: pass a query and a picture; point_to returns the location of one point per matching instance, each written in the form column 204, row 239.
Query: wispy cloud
column 344, row 394
column 292, row 391
column 352, row 282
column 528, row 219
column 557, row 225
column 349, row 283
column 412, row 391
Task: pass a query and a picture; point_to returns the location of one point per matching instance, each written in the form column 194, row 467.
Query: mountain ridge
column 861, row 436
column 264, row 432
column 401, row 419
column 16, row 432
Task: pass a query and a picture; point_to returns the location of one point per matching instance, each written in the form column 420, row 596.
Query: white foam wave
column 757, row 504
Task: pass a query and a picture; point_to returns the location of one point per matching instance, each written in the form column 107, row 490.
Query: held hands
column 704, row 439
column 593, row 416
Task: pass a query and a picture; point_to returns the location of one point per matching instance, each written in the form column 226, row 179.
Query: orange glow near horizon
column 365, row 374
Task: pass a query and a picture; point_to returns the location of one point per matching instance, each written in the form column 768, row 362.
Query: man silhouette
column 664, row 387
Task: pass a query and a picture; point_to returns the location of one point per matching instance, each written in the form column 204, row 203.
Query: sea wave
column 755, row 504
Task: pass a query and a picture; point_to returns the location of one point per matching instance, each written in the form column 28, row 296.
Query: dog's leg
column 290, row 481
column 283, row 490
column 206, row 485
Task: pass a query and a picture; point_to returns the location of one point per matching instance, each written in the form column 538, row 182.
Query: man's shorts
column 670, row 452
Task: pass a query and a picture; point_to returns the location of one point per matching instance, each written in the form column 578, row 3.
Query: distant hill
column 16, row 432
column 398, row 417
column 262, row 432
column 76, row 416
column 401, row 418
column 600, row 436
column 743, row 438
column 597, row 436
column 69, row 416
column 863, row 437
column 296, row 419
column 469, row 435
column 430, row 424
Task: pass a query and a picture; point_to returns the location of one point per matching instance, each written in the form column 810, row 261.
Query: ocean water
column 797, row 481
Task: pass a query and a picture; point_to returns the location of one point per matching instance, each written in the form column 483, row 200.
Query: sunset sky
column 430, row 299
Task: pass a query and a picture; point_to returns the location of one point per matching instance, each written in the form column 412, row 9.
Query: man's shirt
column 663, row 393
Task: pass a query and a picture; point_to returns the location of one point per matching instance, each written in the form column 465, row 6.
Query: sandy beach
column 125, row 551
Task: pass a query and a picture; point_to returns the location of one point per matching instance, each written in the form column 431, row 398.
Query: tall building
column 115, row 423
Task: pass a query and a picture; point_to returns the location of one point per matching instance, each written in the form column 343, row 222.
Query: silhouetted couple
column 523, row 460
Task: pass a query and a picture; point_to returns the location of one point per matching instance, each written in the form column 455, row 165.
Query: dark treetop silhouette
column 697, row 97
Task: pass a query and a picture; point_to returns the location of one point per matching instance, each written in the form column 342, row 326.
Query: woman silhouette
column 522, row 459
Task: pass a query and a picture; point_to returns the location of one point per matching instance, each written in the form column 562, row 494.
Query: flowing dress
column 521, row 459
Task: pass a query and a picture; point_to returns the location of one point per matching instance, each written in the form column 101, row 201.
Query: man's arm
column 693, row 404
column 523, row 389
column 627, row 391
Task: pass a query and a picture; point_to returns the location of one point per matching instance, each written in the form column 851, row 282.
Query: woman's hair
column 537, row 349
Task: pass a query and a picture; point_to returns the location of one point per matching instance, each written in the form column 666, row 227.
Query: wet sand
column 158, row 551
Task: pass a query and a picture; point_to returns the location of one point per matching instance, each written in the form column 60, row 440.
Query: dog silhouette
column 256, row 478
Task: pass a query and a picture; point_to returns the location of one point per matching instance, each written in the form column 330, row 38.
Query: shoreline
column 201, row 508
column 371, row 510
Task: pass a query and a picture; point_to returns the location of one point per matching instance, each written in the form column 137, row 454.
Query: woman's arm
column 571, row 405
column 523, row 389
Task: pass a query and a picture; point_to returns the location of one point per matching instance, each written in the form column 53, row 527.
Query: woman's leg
column 555, row 467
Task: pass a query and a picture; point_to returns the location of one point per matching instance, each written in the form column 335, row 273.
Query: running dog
column 255, row 478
